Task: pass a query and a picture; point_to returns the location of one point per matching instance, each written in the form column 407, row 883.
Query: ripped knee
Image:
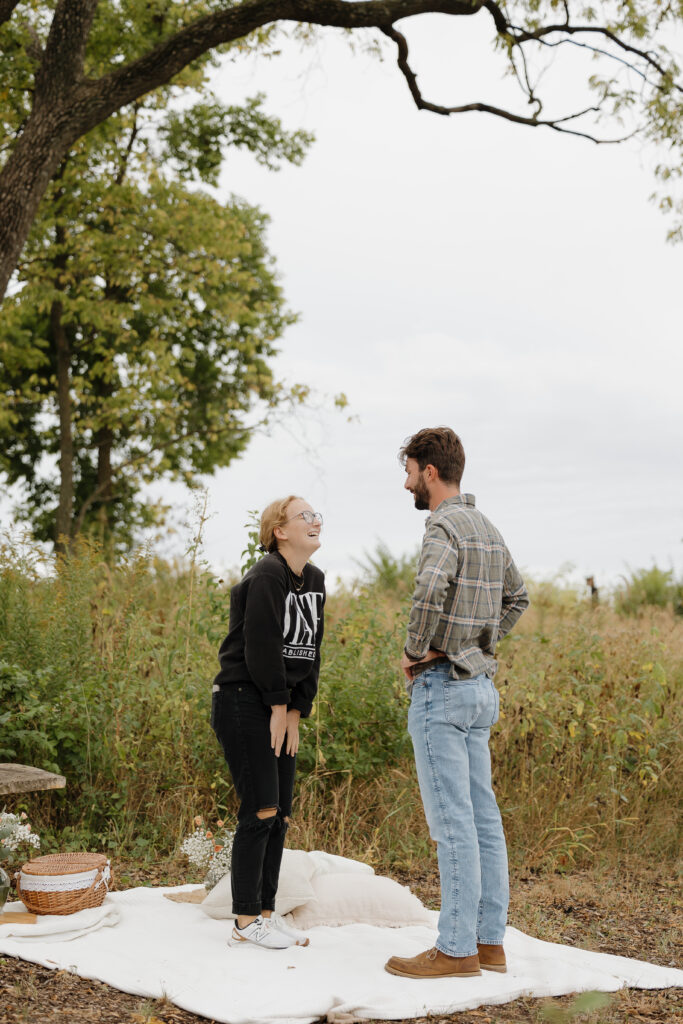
column 266, row 812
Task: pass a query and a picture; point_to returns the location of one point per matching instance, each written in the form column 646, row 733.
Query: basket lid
column 64, row 863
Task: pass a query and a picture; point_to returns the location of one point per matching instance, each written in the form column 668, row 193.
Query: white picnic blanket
column 60, row 927
column 161, row 948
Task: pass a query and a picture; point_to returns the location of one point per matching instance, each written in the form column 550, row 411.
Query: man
column 468, row 594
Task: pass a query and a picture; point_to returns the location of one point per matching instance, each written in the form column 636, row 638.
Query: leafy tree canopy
column 139, row 341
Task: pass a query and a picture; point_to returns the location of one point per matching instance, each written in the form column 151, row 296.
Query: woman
column 269, row 677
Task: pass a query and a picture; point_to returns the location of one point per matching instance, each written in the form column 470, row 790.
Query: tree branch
column 526, row 86
column 125, row 157
column 533, row 122
column 67, row 105
column 603, row 53
column 160, row 65
column 499, row 19
column 228, row 427
column 7, row 9
column 62, row 63
column 520, row 36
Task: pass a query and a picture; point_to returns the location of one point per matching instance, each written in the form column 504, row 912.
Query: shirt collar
column 457, row 499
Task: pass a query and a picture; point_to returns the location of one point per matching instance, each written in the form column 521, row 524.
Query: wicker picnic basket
column 63, row 883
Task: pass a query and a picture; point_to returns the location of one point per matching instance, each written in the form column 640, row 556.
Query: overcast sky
column 512, row 283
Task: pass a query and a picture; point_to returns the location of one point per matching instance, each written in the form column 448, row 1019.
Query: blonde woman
column 268, row 679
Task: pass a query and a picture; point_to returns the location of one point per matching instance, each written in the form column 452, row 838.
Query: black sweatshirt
column 275, row 633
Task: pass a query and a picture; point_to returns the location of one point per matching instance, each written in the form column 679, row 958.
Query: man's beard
column 421, row 495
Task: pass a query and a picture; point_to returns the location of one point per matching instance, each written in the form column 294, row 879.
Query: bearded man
column 468, row 595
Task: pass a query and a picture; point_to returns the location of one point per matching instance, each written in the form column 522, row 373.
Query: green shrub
column 649, row 588
column 359, row 721
column 383, row 571
column 25, row 733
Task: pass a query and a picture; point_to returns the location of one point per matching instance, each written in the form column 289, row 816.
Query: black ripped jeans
column 241, row 722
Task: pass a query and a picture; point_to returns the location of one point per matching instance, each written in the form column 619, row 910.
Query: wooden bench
column 22, row 778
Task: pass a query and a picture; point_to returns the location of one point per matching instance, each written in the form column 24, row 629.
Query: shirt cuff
column 413, row 657
column 300, row 704
column 275, row 696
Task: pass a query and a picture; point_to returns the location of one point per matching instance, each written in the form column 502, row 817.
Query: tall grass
column 649, row 588
column 105, row 675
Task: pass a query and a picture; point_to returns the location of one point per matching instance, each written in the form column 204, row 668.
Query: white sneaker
column 261, row 933
column 300, row 938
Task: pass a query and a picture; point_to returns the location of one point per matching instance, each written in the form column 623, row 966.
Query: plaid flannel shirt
column 468, row 591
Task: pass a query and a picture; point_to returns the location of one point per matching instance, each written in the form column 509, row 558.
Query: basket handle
column 103, row 875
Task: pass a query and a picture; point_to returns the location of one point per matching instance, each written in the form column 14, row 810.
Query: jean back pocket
column 471, row 703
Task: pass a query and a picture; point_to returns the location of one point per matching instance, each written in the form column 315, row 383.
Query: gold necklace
column 297, row 586
column 292, row 575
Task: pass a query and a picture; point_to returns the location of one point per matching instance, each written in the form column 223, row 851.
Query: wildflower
column 220, row 823
column 15, row 834
column 203, row 851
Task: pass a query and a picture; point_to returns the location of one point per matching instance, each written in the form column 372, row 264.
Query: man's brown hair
column 439, row 447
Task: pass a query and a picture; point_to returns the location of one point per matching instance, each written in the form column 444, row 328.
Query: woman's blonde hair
column 274, row 515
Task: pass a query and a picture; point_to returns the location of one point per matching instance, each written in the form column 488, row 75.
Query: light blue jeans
column 449, row 723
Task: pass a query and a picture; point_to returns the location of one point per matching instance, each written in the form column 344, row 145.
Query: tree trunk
column 63, row 521
column 105, row 441
column 23, row 181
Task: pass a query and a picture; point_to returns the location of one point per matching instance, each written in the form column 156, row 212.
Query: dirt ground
column 630, row 913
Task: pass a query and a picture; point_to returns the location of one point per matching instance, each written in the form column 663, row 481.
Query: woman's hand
column 278, row 726
column 293, row 731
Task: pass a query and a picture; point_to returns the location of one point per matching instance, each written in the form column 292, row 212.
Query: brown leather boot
column 434, row 964
column 492, row 958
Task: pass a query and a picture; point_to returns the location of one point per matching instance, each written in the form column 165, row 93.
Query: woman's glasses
column 308, row 517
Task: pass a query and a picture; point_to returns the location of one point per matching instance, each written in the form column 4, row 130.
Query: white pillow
column 358, row 898
column 330, row 863
column 294, row 887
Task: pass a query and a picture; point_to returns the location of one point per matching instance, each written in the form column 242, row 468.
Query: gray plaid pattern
column 468, row 591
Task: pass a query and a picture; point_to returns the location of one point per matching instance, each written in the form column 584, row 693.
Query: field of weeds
column 105, row 676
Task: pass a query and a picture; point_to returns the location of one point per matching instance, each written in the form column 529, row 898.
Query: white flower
column 209, row 851
column 198, row 848
column 219, row 866
column 20, row 832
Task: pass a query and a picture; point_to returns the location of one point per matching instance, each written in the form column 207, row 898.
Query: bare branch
column 604, row 53
column 518, row 36
column 522, row 36
column 533, row 122
column 526, row 86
